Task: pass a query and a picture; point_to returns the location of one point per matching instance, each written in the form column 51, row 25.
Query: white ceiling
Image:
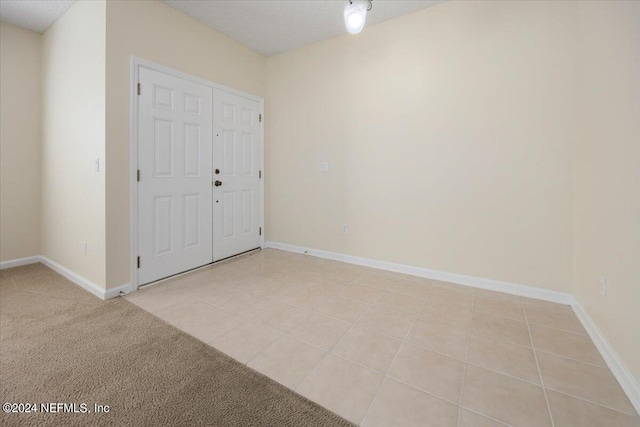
column 268, row 26
column 276, row 26
column 33, row 15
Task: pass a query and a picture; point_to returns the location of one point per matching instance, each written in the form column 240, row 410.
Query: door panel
column 164, row 136
column 191, row 220
column 228, row 153
column 163, row 226
column 228, row 214
column 174, row 193
column 247, row 211
column 247, row 154
column 236, row 152
column 192, row 151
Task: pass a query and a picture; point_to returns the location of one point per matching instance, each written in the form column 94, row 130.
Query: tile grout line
column 413, row 323
column 477, row 310
column 410, row 343
column 266, row 348
column 304, row 342
column 535, row 355
column 373, row 331
column 605, row 367
column 337, row 355
column 430, row 393
column 464, row 363
column 502, row 373
column 370, row 305
column 562, row 330
column 341, row 338
column 386, row 375
column 282, row 333
column 633, row 413
column 384, row 378
column 412, row 314
column 353, row 281
column 377, row 332
column 284, row 259
column 475, row 411
column 581, row 332
column 346, row 359
column 388, row 289
column 351, row 324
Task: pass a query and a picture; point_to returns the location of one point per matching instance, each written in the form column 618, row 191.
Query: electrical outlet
column 603, row 285
column 84, row 248
column 324, row 166
column 345, row 229
column 96, row 165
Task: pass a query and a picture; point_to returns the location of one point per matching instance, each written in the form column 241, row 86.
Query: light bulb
column 355, row 15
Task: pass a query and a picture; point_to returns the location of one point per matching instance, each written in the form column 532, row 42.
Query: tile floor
column 386, row 349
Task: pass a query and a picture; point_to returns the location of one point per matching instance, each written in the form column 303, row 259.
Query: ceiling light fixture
column 355, row 15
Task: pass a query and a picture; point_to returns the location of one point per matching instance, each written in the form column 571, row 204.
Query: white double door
column 199, row 175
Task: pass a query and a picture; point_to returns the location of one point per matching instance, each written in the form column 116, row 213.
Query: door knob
column 217, row 183
column 217, row 171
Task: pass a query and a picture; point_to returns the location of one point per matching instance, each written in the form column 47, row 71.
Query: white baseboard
column 610, row 356
column 18, row 262
column 460, row 279
column 87, row 284
column 117, row 291
column 84, row 283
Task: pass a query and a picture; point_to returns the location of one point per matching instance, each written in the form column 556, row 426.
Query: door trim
column 135, row 64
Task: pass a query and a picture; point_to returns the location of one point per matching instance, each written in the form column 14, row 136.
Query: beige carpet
column 59, row 343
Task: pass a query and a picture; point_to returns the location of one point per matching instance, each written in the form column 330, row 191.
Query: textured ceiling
column 276, row 26
column 33, row 15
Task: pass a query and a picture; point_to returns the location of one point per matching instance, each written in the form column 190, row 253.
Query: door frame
column 135, row 64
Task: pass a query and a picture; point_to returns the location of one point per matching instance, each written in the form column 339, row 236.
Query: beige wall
column 448, row 133
column 156, row 32
column 607, row 158
column 19, row 142
column 73, row 194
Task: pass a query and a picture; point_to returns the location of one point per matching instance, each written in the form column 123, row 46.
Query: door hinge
column 139, row 89
column 138, row 262
column 260, row 117
column 138, row 175
column 259, row 174
column 260, row 231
